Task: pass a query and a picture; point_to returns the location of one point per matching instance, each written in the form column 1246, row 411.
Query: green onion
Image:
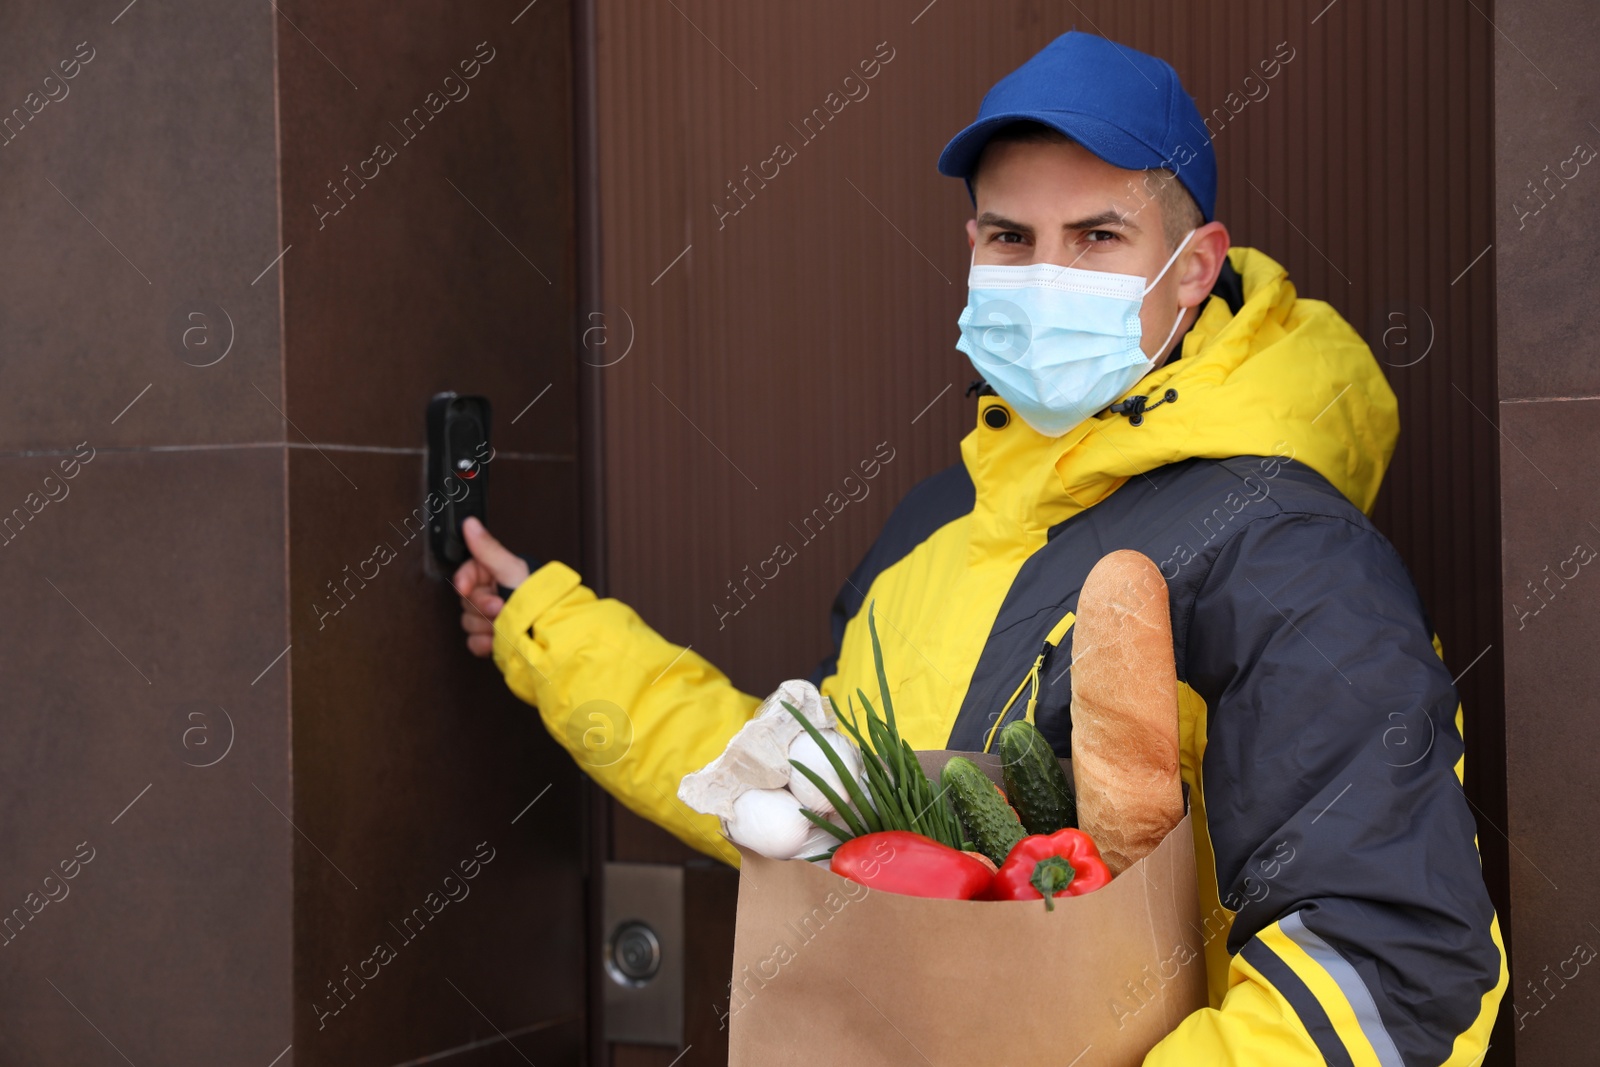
column 902, row 797
column 825, row 824
column 851, row 786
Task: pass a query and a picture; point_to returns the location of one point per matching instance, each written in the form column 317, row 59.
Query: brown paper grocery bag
column 827, row 973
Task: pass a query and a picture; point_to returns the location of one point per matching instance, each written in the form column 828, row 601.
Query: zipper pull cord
column 1033, row 697
column 1051, row 641
column 1031, row 676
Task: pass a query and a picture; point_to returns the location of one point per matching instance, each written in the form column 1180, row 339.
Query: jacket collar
column 1271, row 375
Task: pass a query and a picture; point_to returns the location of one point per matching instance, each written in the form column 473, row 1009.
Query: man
column 1346, row 916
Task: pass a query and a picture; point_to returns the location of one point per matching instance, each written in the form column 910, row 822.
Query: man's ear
column 1201, row 263
column 972, row 233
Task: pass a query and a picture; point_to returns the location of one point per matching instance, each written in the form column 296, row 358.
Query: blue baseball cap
column 1128, row 108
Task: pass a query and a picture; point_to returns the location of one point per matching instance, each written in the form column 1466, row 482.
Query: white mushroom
column 807, row 752
column 757, row 757
column 769, row 821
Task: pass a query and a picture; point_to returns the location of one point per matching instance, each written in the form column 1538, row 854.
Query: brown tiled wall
column 449, row 269
column 1549, row 411
column 142, row 607
column 145, row 602
column 153, row 604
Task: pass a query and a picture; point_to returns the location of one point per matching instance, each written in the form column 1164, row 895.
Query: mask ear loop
column 1172, row 332
column 1170, row 261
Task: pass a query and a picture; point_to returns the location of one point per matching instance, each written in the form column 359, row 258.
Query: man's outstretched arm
column 635, row 711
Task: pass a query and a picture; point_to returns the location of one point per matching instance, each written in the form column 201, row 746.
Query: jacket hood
column 1285, row 376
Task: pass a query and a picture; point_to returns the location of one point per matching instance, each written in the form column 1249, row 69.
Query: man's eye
column 1099, row 236
column 1008, row 237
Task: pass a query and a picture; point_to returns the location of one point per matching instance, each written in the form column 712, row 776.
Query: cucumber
column 987, row 820
column 1035, row 783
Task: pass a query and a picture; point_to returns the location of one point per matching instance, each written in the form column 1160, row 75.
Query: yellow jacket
column 1346, row 919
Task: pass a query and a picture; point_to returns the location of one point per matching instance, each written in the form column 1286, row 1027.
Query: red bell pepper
column 899, row 861
column 1049, row 865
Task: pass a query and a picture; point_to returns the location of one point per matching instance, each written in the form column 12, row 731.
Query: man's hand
column 491, row 565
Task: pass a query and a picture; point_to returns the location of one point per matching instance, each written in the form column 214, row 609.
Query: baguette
column 1125, row 710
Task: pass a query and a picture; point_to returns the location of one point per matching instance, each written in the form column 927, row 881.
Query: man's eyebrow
column 1108, row 217
column 989, row 218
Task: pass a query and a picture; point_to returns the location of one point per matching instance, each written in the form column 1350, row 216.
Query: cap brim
column 960, row 157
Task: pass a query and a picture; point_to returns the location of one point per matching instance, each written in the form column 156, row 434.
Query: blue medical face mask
column 1058, row 343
